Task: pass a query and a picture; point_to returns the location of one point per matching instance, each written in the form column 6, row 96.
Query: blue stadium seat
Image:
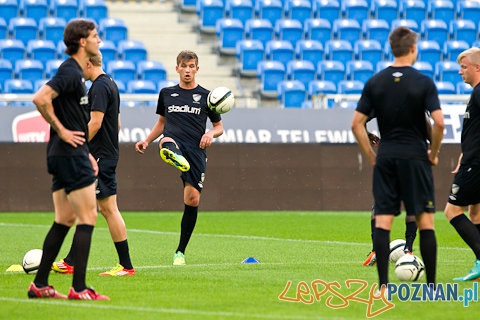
column 409, row 23
column 317, row 29
column 35, row 9
column 309, row 50
column 350, row 87
column 465, row 30
column 368, row 50
column 23, row 29
column 133, row 50
column 347, row 29
column 141, row 86
column 151, row 70
column 445, row 87
column 165, row 84
column 331, row 70
column 441, row 10
column 346, row 104
column 289, row 30
column 341, row 50
column 424, row 67
column 271, row 10
column 95, row 10
column 413, row 10
column 42, row 50
column 326, row 9
column 122, row 70
column 436, row 30
column 209, row 11
column 37, row 84
column 447, row 71
column 51, row 67
column 381, row 65
column 61, row 50
column 452, row 48
column 270, row 73
column 239, row 9
column 359, row 70
column 108, row 50
column 320, row 87
column 12, row 49
column 291, row 93
column 376, row 29
column 51, row 28
column 429, row 51
column 249, row 53
column 187, row 5
column 20, row 86
column 300, row 10
column 9, row 9
column 301, row 70
column 6, row 70
column 29, row 69
column 463, row 88
column 66, row 9
column 259, row 29
column 468, row 10
column 355, row 9
column 3, row 29
column 113, row 29
column 387, row 51
column 228, row 32
column 280, row 50
column 384, row 10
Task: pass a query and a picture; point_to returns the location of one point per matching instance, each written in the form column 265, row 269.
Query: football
column 409, row 268
column 220, row 100
column 396, row 250
column 31, row 260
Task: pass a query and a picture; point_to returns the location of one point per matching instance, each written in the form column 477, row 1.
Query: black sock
column 51, row 247
column 410, row 234
column 69, row 258
column 382, row 250
column 81, row 249
column 189, row 220
column 428, row 249
column 372, row 228
column 123, row 254
column 172, row 147
column 469, row 233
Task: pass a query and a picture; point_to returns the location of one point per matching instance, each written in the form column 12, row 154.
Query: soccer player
column 465, row 186
column 103, row 127
column 63, row 102
column 183, row 113
column 399, row 96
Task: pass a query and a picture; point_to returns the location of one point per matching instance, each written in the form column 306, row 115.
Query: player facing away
column 104, row 101
column 63, row 103
column 399, row 96
column 183, row 113
column 465, row 190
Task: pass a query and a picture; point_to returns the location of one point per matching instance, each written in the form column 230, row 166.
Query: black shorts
column 198, row 163
column 70, row 173
column 403, row 180
column 465, row 187
column 106, row 182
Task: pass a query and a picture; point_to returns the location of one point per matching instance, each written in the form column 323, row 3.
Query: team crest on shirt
column 196, row 97
column 397, row 76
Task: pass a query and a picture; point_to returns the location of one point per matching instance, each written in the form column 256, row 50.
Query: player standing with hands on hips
column 399, row 96
column 63, row 102
column 465, row 190
column 183, row 113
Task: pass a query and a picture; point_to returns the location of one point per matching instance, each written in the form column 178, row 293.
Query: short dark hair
column 187, row 55
column 401, row 40
column 74, row 31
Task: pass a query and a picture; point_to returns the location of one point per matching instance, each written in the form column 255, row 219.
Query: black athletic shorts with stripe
column 403, row 180
column 466, row 186
column 70, row 172
column 107, row 181
column 198, row 164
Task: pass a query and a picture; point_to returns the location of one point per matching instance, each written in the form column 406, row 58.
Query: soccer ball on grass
column 31, row 260
column 409, row 268
column 397, row 248
column 220, row 100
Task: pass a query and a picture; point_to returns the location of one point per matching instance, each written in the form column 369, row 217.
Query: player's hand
column 206, row 141
column 141, row 146
column 94, row 164
column 432, row 158
column 374, row 139
column 73, row 138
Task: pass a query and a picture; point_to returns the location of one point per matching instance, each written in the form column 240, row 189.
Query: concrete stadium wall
column 238, row 177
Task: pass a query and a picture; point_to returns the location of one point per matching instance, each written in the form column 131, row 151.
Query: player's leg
column 428, row 245
column 171, row 154
column 116, row 225
column 474, row 213
column 383, row 225
column 371, row 256
column 410, row 233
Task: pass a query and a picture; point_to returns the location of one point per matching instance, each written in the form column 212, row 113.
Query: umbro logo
column 174, row 94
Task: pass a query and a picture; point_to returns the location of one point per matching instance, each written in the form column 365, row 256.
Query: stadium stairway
column 166, row 31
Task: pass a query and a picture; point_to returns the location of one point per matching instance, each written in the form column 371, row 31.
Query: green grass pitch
column 298, row 251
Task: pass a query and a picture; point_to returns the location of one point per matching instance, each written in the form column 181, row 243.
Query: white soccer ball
column 396, row 250
column 409, row 268
column 221, row 100
column 31, row 260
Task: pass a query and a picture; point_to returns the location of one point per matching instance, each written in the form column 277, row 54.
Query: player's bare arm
column 95, row 123
column 207, row 138
column 360, row 133
column 157, row 130
column 437, row 136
